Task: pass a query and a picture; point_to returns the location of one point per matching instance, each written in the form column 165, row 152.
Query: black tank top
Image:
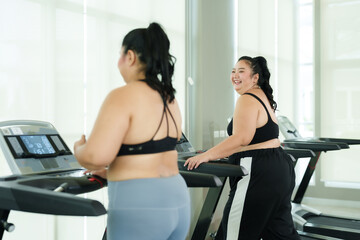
column 152, row 146
column 262, row 134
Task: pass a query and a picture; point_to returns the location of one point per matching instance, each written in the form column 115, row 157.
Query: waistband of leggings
column 257, row 152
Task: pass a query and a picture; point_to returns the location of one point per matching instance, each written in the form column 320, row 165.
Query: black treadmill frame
column 318, row 145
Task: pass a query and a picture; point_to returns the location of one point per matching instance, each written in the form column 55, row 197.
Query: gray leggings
column 148, row 208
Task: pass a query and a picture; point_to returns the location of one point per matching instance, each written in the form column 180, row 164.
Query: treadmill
column 221, row 168
column 305, row 153
column 46, row 176
column 310, row 220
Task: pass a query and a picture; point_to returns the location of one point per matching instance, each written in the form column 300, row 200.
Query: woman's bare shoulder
column 247, row 100
column 129, row 91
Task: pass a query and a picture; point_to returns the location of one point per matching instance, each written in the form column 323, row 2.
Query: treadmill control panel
column 287, row 129
column 33, row 147
column 183, row 145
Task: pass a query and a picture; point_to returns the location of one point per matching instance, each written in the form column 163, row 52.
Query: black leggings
column 259, row 205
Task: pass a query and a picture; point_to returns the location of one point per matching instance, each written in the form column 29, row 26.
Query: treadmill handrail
column 345, row 140
column 314, row 146
column 216, row 168
column 15, row 196
column 342, row 145
column 76, row 185
column 193, row 179
column 299, row 153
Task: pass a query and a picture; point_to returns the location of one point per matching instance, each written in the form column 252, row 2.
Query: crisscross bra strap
column 167, row 120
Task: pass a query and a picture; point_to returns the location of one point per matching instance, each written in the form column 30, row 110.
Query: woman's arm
column 244, row 127
column 108, row 132
column 273, row 143
column 195, row 161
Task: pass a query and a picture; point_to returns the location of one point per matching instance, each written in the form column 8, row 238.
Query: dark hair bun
column 152, row 46
column 259, row 66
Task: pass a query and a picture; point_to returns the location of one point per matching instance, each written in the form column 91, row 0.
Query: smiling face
column 242, row 77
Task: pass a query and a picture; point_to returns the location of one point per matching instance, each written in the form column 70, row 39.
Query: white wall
column 266, row 28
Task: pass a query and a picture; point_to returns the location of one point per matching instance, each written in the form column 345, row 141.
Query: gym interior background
column 58, row 61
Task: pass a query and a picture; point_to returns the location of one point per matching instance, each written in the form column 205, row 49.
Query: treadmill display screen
column 37, row 144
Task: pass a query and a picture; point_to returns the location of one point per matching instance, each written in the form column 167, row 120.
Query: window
column 58, row 62
column 305, row 83
column 340, row 88
column 304, row 90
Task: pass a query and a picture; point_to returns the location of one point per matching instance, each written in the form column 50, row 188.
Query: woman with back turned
column 133, row 144
column 259, row 204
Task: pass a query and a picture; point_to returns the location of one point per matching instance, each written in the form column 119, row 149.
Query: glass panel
column 340, row 87
column 45, row 70
column 305, row 89
column 68, row 74
column 305, row 80
column 305, row 1
column 343, row 35
column 21, row 41
column 306, row 37
column 306, row 100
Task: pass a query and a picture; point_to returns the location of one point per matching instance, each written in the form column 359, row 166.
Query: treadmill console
column 35, row 147
column 184, row 146
column 287, row 129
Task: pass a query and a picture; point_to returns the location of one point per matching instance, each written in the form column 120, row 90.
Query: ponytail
column 259, row 66
column 152, row 47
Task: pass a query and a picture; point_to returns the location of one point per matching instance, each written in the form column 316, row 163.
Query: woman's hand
column 101, row 173
column 195, row 161
column 79, row 143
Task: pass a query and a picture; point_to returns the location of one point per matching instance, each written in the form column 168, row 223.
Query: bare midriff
column 154, row 165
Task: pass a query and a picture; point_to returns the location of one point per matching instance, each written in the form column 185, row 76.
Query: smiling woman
column 253, row 211
column 243, row 78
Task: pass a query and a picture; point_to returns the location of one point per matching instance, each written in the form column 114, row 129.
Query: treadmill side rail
column 193, row 179
column 333, row 231
column 345, row 140
column 316, row 236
